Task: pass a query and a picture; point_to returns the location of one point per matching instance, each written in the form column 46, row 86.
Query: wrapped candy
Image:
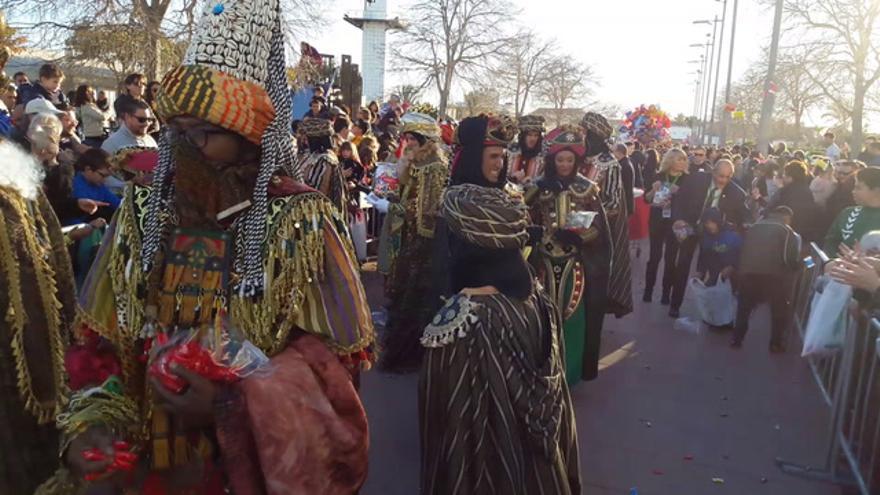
column 386, row 180
column 216, row 352
column 580, row 220
column 123, row 460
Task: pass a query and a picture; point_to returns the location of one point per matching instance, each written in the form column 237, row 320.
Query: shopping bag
column 358, row 228
column 826, row 328
column 716, row 304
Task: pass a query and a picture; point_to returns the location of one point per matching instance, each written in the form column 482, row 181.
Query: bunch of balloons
column 646, row 123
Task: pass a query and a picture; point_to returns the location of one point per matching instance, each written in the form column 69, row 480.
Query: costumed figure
column 606, row 171
column 320, row 166
column 37, row 300
column 574, row 256
column 224, row 245
column 526, row 160
column 409, row 235
column 494, row 407
column 481, row 143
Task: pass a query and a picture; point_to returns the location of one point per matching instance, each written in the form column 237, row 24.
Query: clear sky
column 638, row 48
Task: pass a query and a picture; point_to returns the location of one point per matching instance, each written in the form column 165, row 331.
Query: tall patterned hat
column 420, row 123
column 500, row 131
column 233, row 76
column 532, row 123
column 597, row 124
column 565, row 137
column 316, row 127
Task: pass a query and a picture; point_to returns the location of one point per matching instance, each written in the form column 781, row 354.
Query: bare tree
column 482, row 100
column 409, row 92
column 567, row 83
column 521, row 66
column 55, row 20
column 117, row 48
column 448, row 39
column 747, row 94
column 843, row 39
column 799, row 91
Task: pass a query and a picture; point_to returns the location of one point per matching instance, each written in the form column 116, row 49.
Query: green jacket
column 849, row 227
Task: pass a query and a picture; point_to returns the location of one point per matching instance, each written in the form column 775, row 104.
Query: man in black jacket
column 796, row 194
column 769, row 260
column 700, row 192
column 627, row 176
column 637, row 159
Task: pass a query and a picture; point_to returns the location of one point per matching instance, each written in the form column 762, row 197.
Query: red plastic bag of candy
column 386, row 179
column 216, row 352
column 123, row 460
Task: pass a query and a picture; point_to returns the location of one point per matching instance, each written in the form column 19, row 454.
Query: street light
column 710, row 51
column 701, row 86
column 725, row 119
column 714, row 22
column 770, row 96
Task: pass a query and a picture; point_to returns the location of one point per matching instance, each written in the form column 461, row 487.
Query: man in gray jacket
column 769, row 261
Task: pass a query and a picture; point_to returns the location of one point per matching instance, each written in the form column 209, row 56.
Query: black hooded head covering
column 473, row 135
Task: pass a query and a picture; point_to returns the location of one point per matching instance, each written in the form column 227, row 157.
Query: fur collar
column 19, row 170
column 425, row 155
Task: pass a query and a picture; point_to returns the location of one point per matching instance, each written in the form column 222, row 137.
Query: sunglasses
column 145, row 120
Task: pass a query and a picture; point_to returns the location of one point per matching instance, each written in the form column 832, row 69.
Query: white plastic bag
column 380, row 204
column 689, row 325
column 716, row 304
column 358, row 228
column 826, row 329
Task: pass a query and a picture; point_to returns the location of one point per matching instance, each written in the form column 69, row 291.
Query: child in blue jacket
column 720, row 247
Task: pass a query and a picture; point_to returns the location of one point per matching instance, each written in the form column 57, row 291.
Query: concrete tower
column 374, row 22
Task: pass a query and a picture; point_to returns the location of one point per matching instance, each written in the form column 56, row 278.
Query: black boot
column 664, row 300
column 647, row 296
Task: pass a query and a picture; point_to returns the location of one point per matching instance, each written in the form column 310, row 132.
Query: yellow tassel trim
column 295, row 259
column 16, row 314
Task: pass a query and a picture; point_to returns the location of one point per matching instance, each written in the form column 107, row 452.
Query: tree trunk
column 444, row 91
column 858, row 113
column 153, row 46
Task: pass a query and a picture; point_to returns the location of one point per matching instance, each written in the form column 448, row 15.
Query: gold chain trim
column 299, row 228
column 16, row 314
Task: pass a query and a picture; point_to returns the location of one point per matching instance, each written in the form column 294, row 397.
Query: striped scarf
column 486, row 217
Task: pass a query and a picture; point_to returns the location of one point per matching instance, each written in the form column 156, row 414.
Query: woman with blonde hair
column 670, row 177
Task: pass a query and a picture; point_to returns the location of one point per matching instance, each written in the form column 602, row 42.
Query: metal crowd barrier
column 850, row 384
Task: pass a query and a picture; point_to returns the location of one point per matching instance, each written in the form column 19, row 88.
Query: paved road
column 671, row 412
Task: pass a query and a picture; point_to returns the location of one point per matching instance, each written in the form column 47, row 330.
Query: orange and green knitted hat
column 216, row 97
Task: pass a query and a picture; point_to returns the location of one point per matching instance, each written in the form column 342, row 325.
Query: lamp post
column 714, row 95
column 696, row 111
column 699, row 74
column 770, row 96
column 707, row 80
column 725, row 118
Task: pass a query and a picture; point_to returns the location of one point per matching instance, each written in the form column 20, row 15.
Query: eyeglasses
column 196, row 136
column 145, row 120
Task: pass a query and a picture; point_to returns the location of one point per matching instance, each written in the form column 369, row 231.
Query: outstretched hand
column 859, row 274
column 90, row 206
